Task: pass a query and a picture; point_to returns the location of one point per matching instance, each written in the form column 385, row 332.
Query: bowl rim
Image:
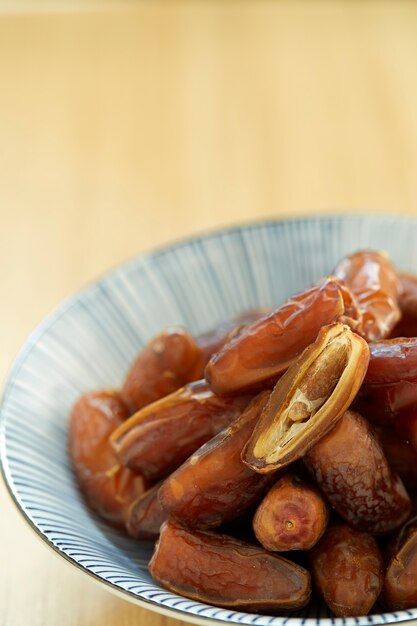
column 65, row 305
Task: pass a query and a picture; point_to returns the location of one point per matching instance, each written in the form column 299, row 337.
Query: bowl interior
column 89, row 342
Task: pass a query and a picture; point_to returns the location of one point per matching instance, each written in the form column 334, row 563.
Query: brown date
column 392, row 361
column 108, row 487
column 212, row 341
column 400, row 454
column 214, row 485
column 381, row 404
column 352, row 471
column 166, row 363
column 162, row 435
column 407, row 326
column 374, row 281
column 262, row 351
column 292, row 516
column 347, row 570
column 400, row 585
column 146, row 516
column 218, row 569
column 309, row 399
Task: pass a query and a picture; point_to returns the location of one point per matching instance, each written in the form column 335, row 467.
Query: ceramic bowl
column 89, row 342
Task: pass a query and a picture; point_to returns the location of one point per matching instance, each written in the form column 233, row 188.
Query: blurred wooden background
column 126, row 125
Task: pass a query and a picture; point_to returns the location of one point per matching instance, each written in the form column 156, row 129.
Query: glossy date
column 161, row 436
column 258, row 355
column 108, row 487
column 374, row 282
column 218, row 569
column 214, row 485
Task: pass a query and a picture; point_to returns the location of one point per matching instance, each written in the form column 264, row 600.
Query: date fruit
column 262, row 351
column 400, row 585
column 213, row 340
column 108, row 486
column 292, row 516
column 347, row 570
column 352, row 471
column 214, row 485
column 167, row 362
column 374, row 281
column 220, row 570
column 309, row 399
column 161, row 436
column 146, row 516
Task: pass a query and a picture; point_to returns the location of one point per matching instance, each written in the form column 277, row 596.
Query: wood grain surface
column 123, row 127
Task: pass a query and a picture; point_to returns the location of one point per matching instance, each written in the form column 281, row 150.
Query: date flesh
column 220, row 570
column 108, row 486
column 214, row 485
column 161, row 436
column 374, row 281
column 309, row 399
column 258, row 355
column 347, row 570
column 146, row 516
column 166, row 363
column 292, row 516
column 351, row 470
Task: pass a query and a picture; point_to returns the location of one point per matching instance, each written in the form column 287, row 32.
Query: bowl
column 89, row 342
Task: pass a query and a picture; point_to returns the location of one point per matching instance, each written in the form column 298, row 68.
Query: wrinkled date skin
column 292, row 516
column 214, row 485
column 213, row 340
column 399, row 452
column 262, row 351
column 108, row 487
column 309, row 399
column 374, row 281
column 161, row 436
column 353, row 473
column 400, row 585
column 224, row 571
column 146, row 516
column 167, row 362
column 347, row 570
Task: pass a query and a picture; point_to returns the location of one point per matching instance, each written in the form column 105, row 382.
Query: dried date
column 221, row 570
column 352, row 471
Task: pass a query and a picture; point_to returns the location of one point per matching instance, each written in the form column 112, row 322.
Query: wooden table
column 122, row 128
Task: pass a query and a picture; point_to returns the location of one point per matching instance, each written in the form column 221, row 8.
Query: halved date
column 169, row 361
column 347, row 570
column 309, row 399
column 146, row 516
column 374, row 281
column 352, row 471
column 214, row 485
column 258, row 355
column 159, row 437
column 108, row 487
column 292, row 516
column 224, row 571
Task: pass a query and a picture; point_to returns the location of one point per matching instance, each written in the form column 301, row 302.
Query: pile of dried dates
column 273, row 455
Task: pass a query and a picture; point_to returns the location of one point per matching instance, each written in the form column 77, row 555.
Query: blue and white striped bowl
column 89, row 342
